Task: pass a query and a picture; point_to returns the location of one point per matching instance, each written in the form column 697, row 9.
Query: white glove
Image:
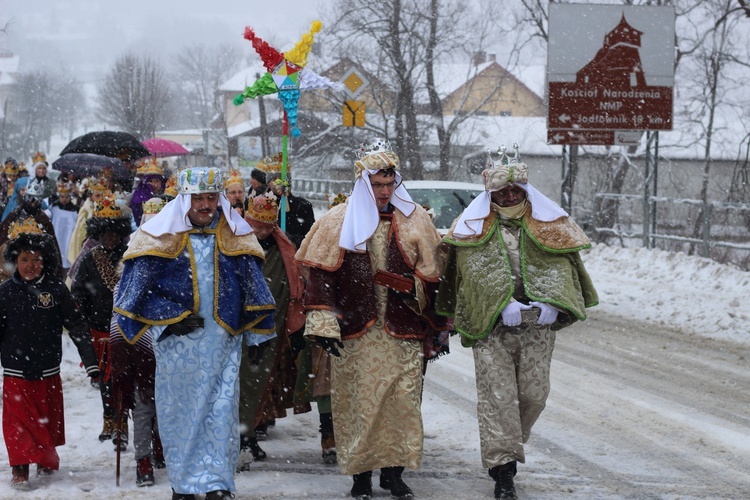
column 512, row 313
column 548, row 314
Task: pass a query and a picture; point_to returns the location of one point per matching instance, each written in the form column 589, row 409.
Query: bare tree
column 135, row 96
column 200, row 71
column 402, row 42
column 29, row 113
column 712, row 82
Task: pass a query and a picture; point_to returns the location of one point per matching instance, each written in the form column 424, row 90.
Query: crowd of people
column 204, row 309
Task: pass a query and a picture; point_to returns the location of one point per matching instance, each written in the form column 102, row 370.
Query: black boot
column 219, row 495
column 503, row 476
column 390, row 479
column 182, row 496
column 362, row 488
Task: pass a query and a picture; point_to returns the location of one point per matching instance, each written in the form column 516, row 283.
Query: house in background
column 480, row 88
column 9, row 68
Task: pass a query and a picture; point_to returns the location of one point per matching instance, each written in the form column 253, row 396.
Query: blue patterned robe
column 197, row 375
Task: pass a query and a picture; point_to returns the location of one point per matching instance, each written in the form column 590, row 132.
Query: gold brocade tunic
column 376, row 387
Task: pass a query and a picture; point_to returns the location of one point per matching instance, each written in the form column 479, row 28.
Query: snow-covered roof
column 243, row 127
column 243, row 78
column 9, row 63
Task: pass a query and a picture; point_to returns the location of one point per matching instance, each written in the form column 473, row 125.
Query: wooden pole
column 284, row 160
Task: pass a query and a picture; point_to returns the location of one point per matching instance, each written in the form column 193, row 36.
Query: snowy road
column 634, row 413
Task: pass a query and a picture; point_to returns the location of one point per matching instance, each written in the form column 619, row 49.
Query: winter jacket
column 32, row 317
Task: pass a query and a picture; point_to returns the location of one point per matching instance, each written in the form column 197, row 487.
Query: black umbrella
column 87, row 165
column 107, row 143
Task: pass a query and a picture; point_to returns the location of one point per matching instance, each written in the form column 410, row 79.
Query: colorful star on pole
column 287, row 74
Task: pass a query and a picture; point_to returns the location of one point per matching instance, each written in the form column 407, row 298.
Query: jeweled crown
column 37, row 157
column 64, row 188
column 376, row 146
column 107, row 208
column 271, row 164
column 96, row 185
column 235, row 177
column 172, row 188
column 337, row 200
column 153, row 206
column 149, row 166
column 264, row 208
column 197, row 180
column 503, row 157
column 27, row 226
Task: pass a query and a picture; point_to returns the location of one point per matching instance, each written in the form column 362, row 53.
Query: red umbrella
column 164, row 147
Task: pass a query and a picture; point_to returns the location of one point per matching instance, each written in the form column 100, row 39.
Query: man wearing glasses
column 369, row 304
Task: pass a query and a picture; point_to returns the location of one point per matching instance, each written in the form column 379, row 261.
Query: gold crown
column 65, row 188
column 149, row 166
column 337, row 200
column 97, row 185
column 234, row 178
column 38, row 157
column 172, row 188
column 264, row 208
column 107, row 208
column 11, row 169
column 271, row 164
column 153, row 206
column 27, row 226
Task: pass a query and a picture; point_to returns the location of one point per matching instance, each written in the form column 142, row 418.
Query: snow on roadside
column 674, row 289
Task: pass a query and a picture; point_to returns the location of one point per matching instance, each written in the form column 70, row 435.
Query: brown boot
column 20, row 479
column 107, row 429
column 328, row 444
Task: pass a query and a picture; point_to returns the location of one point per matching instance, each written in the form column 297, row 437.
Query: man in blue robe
column 193, row 279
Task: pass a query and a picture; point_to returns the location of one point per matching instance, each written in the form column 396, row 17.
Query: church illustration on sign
column 618, row 63
column 610, row 92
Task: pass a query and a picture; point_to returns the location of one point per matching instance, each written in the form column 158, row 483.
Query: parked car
column 447, row 199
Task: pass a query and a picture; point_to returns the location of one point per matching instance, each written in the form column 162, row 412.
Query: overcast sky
column 89, row 35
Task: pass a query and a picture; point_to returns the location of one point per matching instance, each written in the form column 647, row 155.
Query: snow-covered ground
column 649, row 400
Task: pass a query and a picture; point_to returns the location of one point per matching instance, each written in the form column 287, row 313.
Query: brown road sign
column 610, row 67
column 573, row 137
column 600, row 107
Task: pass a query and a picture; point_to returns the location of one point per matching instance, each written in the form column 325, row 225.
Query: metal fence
column 671, row 221
column 320, row 189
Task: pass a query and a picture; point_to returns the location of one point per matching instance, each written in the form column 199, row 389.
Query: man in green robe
column 512, row 278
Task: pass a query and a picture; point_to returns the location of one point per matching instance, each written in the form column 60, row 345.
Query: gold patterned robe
column 376, row 386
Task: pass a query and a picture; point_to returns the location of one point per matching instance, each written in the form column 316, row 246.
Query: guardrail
column 648, row 234
column 318, row 189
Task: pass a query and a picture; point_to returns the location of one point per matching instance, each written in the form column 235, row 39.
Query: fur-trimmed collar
column 417, row 238
column 561, row 235
column 170, row 246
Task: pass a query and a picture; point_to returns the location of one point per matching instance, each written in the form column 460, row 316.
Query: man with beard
column 92, row 288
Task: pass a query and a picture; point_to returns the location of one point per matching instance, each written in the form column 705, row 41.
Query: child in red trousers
column 35, row 305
